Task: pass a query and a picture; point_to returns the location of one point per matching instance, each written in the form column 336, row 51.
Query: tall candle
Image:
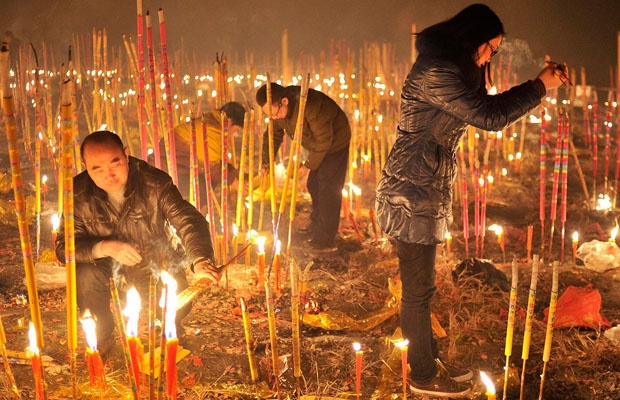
column 248, row 339
column 358, row 368
column 35, row 360
column 132, row 312
column 345, row 203
column 448, row 242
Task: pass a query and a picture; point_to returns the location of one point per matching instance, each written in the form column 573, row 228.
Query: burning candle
column 235, row 238
column 96, row 375
column 44, row 185
column 34, row 355
column 260, row 254
column 276, row 263
column 499, row 231
column 489, row 385
column 358, row 368
column 132, row 312
column 172, row 342
column 575, row 245
column 358, row 200
column 345, row 203
column 55, row 225
column 403, row 345
column 614, row 233
column 448, row 242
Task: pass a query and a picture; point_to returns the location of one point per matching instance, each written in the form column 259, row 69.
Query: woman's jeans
column 417, row 273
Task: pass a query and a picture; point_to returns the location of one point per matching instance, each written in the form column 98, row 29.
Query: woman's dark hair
column 277, row 93
column 102, row 137
column 235, row 112
column 459, row 37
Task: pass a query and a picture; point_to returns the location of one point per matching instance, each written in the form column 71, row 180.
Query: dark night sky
column 582, row 32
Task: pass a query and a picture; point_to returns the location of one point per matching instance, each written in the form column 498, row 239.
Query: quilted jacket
column 414, row 194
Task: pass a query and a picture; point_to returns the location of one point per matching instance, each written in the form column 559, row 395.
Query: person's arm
column 444, row 86
column 191, row 226
column 320, row 115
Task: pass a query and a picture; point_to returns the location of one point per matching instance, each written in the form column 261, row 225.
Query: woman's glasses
column 494, row 50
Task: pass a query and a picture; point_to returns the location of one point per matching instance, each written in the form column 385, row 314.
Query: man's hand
column 122, row 252
column 205, row 268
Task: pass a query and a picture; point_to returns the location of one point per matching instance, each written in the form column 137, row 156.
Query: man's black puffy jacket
column 153, row 208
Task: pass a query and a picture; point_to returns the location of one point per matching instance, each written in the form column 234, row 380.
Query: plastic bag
column 599, row 256
column 579, row 307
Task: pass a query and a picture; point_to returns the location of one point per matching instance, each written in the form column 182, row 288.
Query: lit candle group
column 172, row 342
column 132, row 312
column 94, row 362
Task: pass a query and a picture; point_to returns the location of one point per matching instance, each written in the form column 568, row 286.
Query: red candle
column 96, row 375
column 260, row 254
column 132, row 312
column 403, row 345
column 345, row 203
column 35, row 360
column 358, row 368
column 172, row 342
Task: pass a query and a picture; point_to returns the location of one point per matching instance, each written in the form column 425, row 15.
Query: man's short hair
column 102, row 137
column 235, row 112
column 278, row 92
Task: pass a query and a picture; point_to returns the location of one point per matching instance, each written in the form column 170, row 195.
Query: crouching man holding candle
column 444, row 92
column 130, row 221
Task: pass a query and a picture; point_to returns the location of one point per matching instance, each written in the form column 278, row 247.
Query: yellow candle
column 448, row 242
column 55, row 225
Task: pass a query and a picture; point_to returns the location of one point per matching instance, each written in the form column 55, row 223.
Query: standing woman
column 444, row 92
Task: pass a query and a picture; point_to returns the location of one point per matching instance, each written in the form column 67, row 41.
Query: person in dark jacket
column 326, row 137
column 444, row 92
column 131, row 222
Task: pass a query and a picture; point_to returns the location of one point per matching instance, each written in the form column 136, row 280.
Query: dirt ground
column 351, row 288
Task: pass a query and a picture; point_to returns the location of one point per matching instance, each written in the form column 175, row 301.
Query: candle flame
column 497, row 229
column 88, row 325
column 278, row 246
column 448, row 235
column 32, row 337
column 55, row 222
column 575, row 236
column 235, row 230
column 44, row 179
column 345, row 193
column 357, row 346
column 401, row 344
column 132, row 311
column 614, row 233
column 260, row 242
column 170, row 301
column 487, row 382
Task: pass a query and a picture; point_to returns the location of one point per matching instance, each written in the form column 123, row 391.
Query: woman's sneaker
column 454, row 372
column 442, row 386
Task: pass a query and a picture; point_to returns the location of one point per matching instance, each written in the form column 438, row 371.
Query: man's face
column 279, row 110
column 107, row 166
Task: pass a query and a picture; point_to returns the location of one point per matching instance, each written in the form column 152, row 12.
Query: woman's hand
column 554, row 75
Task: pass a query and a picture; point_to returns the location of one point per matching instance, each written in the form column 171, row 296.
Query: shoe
column 320, row 247
column 442, row 386
column 454, row 372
